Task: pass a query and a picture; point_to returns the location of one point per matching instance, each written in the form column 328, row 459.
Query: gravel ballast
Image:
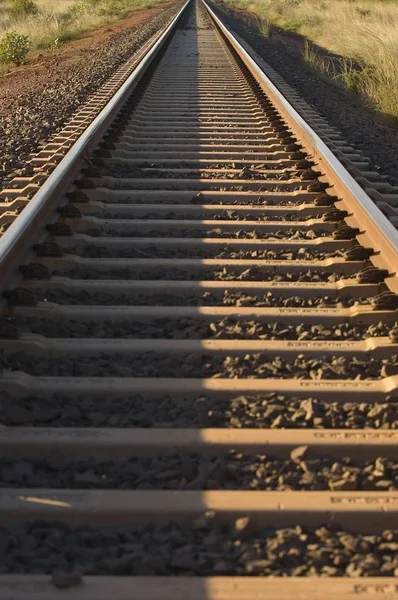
column 200, row 273
column 198, row 365
column 193, row 471
column 204, row 547
column 229, row 215
column 259, row 411
column 201, row 299
column 206, row 197
column 95, row 250
column 108, row 229
column 188, row 328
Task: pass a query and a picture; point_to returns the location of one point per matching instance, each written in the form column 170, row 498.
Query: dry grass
column 57, row 21
column 364, row 32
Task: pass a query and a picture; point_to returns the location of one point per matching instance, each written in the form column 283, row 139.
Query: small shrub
column 292, row 2
column 294, row 25
column 363, row 12
column 314, row 61
column 350, row 77
column 312, row 20
column 22, row 8
column 110, row 9
column 265, row 27
column 81, row 7
column 75, row 10
column 14, row 47
column 310, row 55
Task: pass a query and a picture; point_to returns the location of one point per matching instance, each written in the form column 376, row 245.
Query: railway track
column 199, row 347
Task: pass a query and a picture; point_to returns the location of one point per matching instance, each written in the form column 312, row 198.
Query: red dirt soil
column 46, row 67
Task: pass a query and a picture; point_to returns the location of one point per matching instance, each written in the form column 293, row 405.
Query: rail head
column 17, row 240
column 376, row 229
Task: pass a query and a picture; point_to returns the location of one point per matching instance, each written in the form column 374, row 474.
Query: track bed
column 199, row 364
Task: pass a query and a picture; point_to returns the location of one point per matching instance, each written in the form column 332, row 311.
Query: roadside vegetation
column 364, row 33
column 35, row 25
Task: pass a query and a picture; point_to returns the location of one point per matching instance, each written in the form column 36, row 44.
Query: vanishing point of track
column 198, row 346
